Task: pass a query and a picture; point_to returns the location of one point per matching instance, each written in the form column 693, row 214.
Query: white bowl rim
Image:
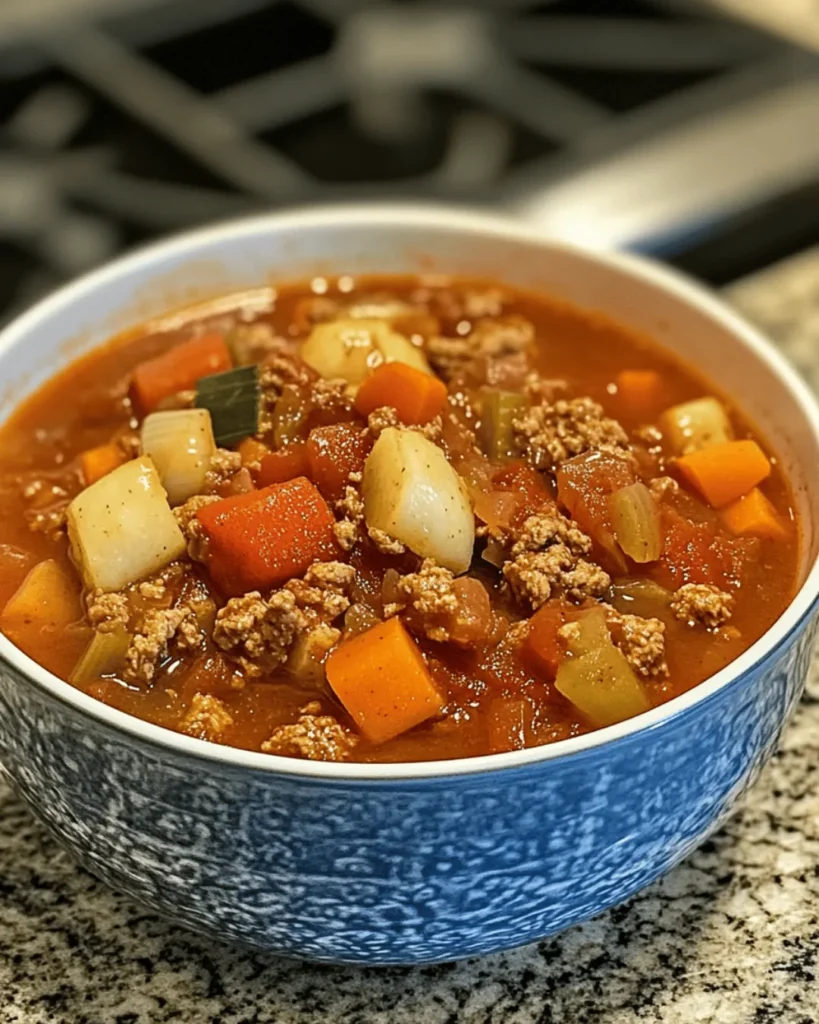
column 468, row 221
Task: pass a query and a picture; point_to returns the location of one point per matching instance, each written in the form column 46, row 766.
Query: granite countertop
column 732, row 935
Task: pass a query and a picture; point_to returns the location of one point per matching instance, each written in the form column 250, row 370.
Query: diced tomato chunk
column 519, row 477
column 543, row 650
column 508, row 721
column 333, row 453
column 698, row 552
column 584, row 485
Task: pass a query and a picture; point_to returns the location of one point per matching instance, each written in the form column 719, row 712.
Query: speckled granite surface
column 731, row 936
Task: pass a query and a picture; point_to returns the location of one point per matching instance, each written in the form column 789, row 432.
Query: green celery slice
column 499, row 410
column 232, row 399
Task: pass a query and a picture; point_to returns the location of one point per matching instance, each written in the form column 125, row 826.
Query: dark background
column 121, row 121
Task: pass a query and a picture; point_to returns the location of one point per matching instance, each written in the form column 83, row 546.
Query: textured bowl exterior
column 396, row 871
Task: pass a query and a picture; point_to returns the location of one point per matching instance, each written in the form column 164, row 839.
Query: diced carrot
column 416, row 396
column 98, row 462
column 334, row 452
column 507, row 724
column 285, row 464
column 726, row 471
column 753, row 515
column 251, row 451
column 179, row 369
column 382, row 680
column 47, row 599
column 640, row 390
column 258, row 540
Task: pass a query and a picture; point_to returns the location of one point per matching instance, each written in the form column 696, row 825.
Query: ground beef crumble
column 663, row 486
column 702, row 603
column 189, row 525
column 642, row 641
column 386, row 544
column 159, row 628
column 440, row 606
column 207, row 718
column 259, row 633
column 351, row 509
column 547, row 558
column 489, row 339
column 106, row 611
column 223, row 465
column 385, row 416
column 552, row 432
column 314, row 737
column 47, row 507
column 279, row 371
column 429, row 593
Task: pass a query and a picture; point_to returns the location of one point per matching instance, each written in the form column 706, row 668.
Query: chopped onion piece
column 122, row 528
column 181, row 445
column 412, row 493
column 103, row 656
column 698, row 424
column 636, row 522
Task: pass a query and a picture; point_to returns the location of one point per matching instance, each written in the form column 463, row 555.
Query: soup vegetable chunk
column 389, row 519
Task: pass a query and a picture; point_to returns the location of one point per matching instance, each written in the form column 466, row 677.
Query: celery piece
column 499, row 410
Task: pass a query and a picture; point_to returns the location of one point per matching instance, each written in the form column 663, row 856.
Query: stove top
column 121, row 120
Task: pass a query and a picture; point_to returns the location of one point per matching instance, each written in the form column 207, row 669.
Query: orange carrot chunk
column 98, row 462
column 382, row 680
column 754, row 516
column 258, row 540
column 285, row 464
column 726, row 471
column 179, row 369
column 640, row 390
column 416, row 396
column 333, row 453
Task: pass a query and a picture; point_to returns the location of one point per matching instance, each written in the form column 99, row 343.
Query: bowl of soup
column 392, row 584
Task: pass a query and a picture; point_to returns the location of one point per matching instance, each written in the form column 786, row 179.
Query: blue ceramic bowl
column 421, row 862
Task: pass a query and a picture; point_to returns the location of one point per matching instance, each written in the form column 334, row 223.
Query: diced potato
column 412, row 493
column 395, row 348
column 341, row 348
column 352, row 348
column 695, row 425
column 602, row 686
column 122, row 528
column 47, row 598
